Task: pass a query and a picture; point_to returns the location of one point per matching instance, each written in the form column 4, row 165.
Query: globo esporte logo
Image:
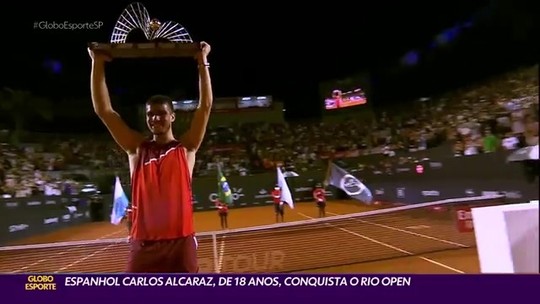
column 40, row 282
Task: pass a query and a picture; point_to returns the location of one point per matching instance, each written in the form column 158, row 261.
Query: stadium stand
column 501, row 113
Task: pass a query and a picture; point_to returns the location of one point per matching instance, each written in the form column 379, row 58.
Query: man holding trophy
column 162, row 233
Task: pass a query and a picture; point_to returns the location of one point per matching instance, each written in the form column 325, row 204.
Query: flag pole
column 327, row 175
column 277, row 177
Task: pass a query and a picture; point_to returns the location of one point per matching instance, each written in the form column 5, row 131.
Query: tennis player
column 278, row 203
column 162, row 232
column 320, row 199
column 223, row 212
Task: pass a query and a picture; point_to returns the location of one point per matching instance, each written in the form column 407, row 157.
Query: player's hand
column 97, row 56
column 203, row 53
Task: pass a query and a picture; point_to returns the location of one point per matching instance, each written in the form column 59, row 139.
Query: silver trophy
column 135, row 16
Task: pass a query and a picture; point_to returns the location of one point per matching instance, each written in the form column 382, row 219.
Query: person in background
column 320, row 199
column 490, row 142
column 278, row 204
column 223, row 212
column 458, row 148
column 530, row 138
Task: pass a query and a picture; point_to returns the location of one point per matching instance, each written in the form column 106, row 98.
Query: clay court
column 423, row 242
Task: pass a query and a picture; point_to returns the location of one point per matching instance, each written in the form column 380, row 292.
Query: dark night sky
column 278, row 49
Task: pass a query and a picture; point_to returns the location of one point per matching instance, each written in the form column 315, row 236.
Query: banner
column 426, row 190
column 415, row 182
column 83, row 289
column 24, row 217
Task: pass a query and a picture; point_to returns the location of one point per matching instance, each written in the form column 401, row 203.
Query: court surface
column 95, row 259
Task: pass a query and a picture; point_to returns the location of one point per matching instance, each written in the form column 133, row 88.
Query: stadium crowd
column 499, row 114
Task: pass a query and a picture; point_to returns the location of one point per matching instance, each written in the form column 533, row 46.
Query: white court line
column 62, row 253
column 418, row 227
column 221, row 254
column 99, row 238
column 389, row 246
column 86, row 257
column 408, row 232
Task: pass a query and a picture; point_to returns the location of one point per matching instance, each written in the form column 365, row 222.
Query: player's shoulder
column 146, row 143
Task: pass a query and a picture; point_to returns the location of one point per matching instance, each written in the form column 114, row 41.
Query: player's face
column 159, row 118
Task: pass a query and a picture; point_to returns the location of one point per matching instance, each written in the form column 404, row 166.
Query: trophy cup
column 135, row 16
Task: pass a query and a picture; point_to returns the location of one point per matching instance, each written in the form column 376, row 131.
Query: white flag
column 286, row 195
column 120, row 203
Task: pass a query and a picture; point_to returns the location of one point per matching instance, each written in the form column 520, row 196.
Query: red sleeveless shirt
column 161, row 193
column 319, row 194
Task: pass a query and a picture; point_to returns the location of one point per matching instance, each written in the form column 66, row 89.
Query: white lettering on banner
column 379, row 191
column 512, row 194
column 249, row 281
column 33, row 203
column 303, row 189
column 315, row 281
column 263, row 194
column 236, row 281
column 15, row 228
column 51, row 220
column 142, row 281
column 508, row 194
column 469, row 192
column 114, row 281
column 339, row 281
column 396, row 281
column 431, row 193
column 12, row 204
column 190, row 281
column 435, row 165
column 236, row 195
column 66, row 217
column 400, row 192
column 50, row 202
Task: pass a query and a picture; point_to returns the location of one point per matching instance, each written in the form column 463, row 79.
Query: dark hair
column 161, row 100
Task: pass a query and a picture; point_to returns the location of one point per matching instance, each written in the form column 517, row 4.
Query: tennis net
column 287, row 247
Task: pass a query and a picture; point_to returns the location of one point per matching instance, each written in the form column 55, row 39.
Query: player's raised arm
column 128, row 139
column 193, row 138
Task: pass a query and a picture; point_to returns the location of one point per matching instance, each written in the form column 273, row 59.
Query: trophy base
column 147, row 50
